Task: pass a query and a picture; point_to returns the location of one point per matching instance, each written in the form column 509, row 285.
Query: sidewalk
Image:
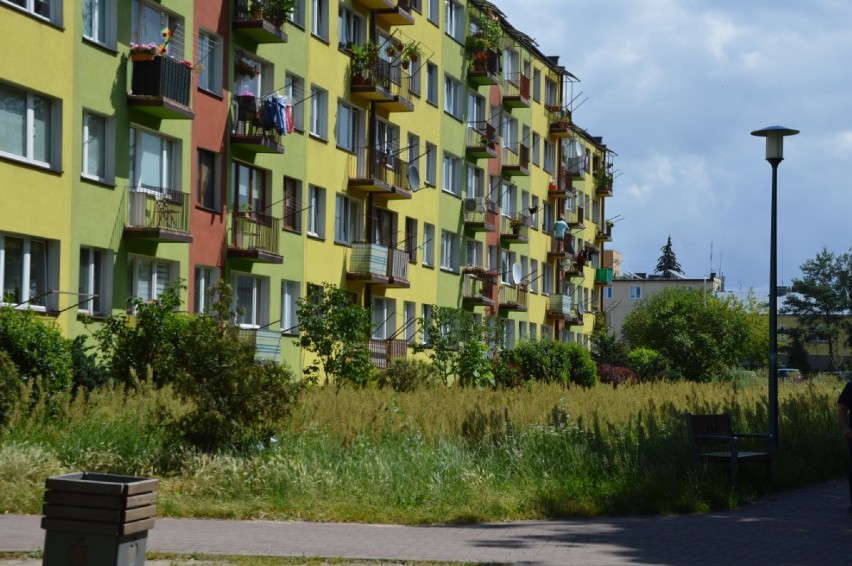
column 809, row 526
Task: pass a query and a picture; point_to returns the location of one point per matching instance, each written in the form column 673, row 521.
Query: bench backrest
column 707, row 425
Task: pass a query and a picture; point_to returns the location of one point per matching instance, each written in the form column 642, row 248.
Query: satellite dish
column 580, row 308
column 413, row 178
column 516, row 273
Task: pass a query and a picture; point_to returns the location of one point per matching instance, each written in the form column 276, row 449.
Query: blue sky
column 676, row 87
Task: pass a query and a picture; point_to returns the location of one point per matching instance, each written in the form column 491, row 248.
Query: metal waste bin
column 95, row 519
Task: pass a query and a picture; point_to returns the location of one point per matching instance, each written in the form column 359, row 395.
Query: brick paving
column 809, row 526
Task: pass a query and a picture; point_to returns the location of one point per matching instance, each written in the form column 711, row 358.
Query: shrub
column 647, row 363
column 36, row 347
column 551, row 362
column 88, row 374
column 615, row 375
column 405, row 375
column 10, row 384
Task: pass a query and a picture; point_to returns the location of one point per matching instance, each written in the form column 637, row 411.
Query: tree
column 699, row 334
column 337, row 331
column 667, row 265
column 36, row 347
column 820, row 299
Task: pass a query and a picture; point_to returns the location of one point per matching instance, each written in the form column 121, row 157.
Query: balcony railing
column 161, row 86
column 603, row 276
column 561, row 186
column 516, row 91
column 265, row 343
column 261, row 26
column 562, row 307
column 385, row 83
column 158, row 214
column 375, row 263
column 258, row 123
column 516, row 160
column 484, row 216
column 604, row 233
column 513, row 298
column 374, row 170
column 514, row 228
column 481, row 140
column 382, row 351
column 484, row 68
column 560, row 121
column 576, row 166
column 255, row 236
column 479, row 289
column 576, row 219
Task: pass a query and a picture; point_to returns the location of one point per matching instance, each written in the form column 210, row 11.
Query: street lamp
column 774, row 155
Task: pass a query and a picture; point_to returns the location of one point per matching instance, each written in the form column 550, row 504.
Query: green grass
column 435, row 456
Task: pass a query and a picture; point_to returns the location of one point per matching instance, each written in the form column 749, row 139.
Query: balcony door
column 384, row 227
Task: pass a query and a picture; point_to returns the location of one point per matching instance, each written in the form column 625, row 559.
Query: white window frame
column 294, row 88
column 428, row 244
column 454, row 20
column 35, row 7
column 102, row 26
column 29, row 298
column 105, row 154
column 347, row 221
column 158, row 268
column 205, row 281
column 547, row 283
column 140, row 32
column 216, row 181
column 426, row 316
column 431, row 83
column 607, row 293
column 433, row 12
column 349, row 126
column 319, row 112
column 409, row 321
column 319, row 19
column 549, row 157
column 452, row 174
column 291, row 292
column 535, row 150
column 635, row 292
column 551, row 93
column 169, row 166
column 94, row 279
column 297, row 15
column 536, row 85
column 256, row 314
column 383, row 318
column 473, row 254
column 475, row 181
column 453, row 93
column 46, row 129
column 316, row 211
column 431, row 164
column 534, row 276
column 351, row 28
column 210, row 63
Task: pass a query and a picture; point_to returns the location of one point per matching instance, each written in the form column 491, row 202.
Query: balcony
column 375, row 264
column 561, row 307
column 254, row 128
column 257, row 25
column 603, row 276
column 399, row 15
column 376, row 4
column 255, row 237
column 480, row 214
column 604, row 233
column 575, row 219
column 516, row 91
column 159, row 215
column 383, row 83
column 265, row 343
column 160, row 87
column 484, row 68
column 382, row 351
column 478, row 288
column 481, row 141
column 513, row 298
column 560, row 250
column 516, row 161
column 573, row 267
column 603, row 183
column 562, row 186
column 374, row 171
column 514, row 229
column 560, row 121
column 576, row 167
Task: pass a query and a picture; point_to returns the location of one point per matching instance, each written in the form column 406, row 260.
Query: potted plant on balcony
column 603, row 177
column 475, row 270
column 410, row 54
column 245, row 67
column 515, row 223
column 143, row 51
column 276, row 12
column 364, row 56
column 483, row 42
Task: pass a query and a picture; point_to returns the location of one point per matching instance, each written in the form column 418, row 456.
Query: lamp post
column 774, row 155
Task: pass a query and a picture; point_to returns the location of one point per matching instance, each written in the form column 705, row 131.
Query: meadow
column 435, row 455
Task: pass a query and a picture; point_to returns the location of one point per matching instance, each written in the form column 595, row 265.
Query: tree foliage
column 821, row 299
column 667, row 264
column 337, row 331
column 552, row 362
column 37, row 348
column 699, row 334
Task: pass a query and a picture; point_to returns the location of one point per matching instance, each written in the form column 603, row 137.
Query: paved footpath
column 810, row 527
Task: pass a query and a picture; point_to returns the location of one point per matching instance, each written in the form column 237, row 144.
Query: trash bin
column 95, row 519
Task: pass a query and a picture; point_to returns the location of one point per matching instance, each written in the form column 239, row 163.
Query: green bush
column 549, row 361
column 88, row 373
column 10, row 384
column 37, row 348
column 647, row 363
column 405, row 375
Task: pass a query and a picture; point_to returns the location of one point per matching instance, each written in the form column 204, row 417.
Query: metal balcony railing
column 481, row 134
column 516, row 85
column 478, row 287
column 372, row 163
column 162, row 76
column 514, row 226
column 256, row 117
column 516, row 155
column 255, row 231
column 376, row 259
column 513, row 296
column 152, row 207
column 382, row 351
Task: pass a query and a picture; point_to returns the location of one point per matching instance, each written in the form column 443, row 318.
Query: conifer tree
column 667, row 264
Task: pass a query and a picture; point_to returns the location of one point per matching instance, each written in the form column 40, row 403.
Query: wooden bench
column 713, row 442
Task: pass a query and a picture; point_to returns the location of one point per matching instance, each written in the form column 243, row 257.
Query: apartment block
column 415, row 152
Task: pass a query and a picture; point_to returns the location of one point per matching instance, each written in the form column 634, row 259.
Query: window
column 290, row 294
column 294, row 87
column 251, row 189
column 411, row 239
column 432, row 11
column 98, row 148
column 148, row 20
column 449, row 251
column 409, row 321
column 210, row 62
column 452, row 97
column 536, row 85
column 534, row 215
column 522, row 330
column 347, row 222
column 455, row 21
column 414, row 85
column 536, row 154
column 297, row 15
column 607, row 293
column 416, row 5
column 48, row 9
column 507, row 260
column 635, row 292
column 27, row 125
column 475, row 182
column 428, row 245
column 509, row 334
column 432, row 83
column 205, row 283
column 383, row 318
column 319, row 112
column 350, row 28
column 426, row 316
column 431, row 164
column 452, row 174
column 509, row 199
column 148, row 278
column 250, row 300
column 547, row 284
column 319, row 19
column 348, row 127
column 547, row 219
column 510, row 134
column 549, row 157
column 473, row 252
column 292, row 204
column 28, row 269
column 99, row 21
column 252, row 85
column 534, row 276
column 92, row 285
column 413, row 149
column 533, row 332
column 551, row 93
column 511, row 66
column 153, row 161
column 208, row 181
column 316, row 211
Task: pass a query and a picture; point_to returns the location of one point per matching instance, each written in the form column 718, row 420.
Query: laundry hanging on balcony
column 277, row 112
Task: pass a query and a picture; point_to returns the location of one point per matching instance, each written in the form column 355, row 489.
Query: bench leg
column 734, row 472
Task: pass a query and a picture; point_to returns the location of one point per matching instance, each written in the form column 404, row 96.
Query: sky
column 675, row 88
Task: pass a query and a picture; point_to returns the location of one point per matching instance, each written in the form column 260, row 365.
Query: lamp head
column 774, row 140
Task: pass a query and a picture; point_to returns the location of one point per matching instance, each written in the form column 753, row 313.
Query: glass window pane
column 163, row 277
column 94, row 146
column 13, row 115
column 150, row 166
column 143, row 279
column 13, row 269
